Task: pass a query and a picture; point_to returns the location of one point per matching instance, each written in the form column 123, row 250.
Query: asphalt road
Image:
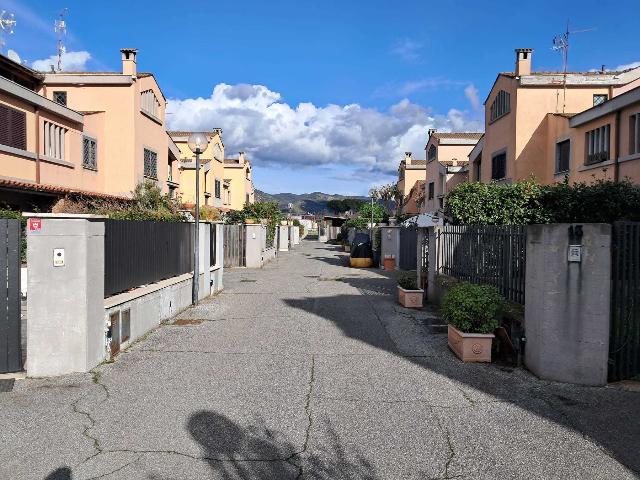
column 309, row 369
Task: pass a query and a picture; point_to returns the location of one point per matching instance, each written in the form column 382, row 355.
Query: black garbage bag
column 361, row 246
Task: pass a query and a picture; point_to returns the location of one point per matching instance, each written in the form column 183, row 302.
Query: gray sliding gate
column 10, row 347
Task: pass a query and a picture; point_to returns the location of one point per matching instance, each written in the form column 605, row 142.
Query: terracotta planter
column 470, row 347
column 283, row 223
column 389, row 263
column 250, row 221
column 410, row 298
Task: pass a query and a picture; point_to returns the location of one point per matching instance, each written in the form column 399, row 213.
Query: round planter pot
column 389, row 263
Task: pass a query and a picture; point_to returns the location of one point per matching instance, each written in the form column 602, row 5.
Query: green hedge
column 527, row 202
column 472, row 308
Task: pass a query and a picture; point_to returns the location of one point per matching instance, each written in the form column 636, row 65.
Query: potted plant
column 389, row 262
column 472, row 312
column 250, row 221
column 409, row 295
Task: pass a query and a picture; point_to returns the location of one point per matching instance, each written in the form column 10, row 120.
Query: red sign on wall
column 35, row 224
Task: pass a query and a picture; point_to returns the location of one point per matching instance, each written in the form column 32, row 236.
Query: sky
column 325, row 96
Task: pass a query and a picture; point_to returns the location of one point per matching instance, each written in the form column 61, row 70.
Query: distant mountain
column 315, row 202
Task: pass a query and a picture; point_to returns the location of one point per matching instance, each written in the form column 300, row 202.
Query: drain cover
column 6, row 385
column 187, row 321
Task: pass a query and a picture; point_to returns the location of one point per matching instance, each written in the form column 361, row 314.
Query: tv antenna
column 7, row 22
column 60, row 27
column 561, row 44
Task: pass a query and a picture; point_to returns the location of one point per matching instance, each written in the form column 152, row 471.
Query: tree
column 379, row 213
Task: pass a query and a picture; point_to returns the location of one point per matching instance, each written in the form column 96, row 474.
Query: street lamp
column 198, row 143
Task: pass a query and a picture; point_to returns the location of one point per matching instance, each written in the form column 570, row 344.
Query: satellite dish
column 13, row 55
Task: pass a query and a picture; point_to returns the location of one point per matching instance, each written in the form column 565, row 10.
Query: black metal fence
column 624, row 340
column 10, row 322
column 138, row 253
column 493, row 255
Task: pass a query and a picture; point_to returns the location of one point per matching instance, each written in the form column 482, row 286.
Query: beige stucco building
column 447, row 159
column 410, row 172
column 526, row 115
column 238, row 188
column 211, row 170
column 95, row 133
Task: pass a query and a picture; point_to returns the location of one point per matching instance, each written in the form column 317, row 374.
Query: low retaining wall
column 269, row 254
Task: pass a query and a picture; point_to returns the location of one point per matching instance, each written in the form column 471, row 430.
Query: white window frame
column 598, row 145
column 557, row 163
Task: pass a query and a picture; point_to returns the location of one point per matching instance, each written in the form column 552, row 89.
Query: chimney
column 241, row 160
column 129, row 61
column 431, row 131
column 407, row 157
column 523, row 61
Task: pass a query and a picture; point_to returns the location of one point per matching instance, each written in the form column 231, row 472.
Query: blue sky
column 325, row 96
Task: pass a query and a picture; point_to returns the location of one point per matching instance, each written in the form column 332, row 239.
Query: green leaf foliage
column 379, row 213
column 473, row 308
column 408, row 280
column 526, row 202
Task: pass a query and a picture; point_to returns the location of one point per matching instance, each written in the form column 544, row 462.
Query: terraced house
column 534, row 125
column 238, row 183
column 447, row 160
column 98, row 133
column 410, row 173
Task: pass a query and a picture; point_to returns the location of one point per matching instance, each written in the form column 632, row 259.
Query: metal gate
column 624, row 339
column 234, row 246
column 408, row 248
column 10, row 323
column 424, row 257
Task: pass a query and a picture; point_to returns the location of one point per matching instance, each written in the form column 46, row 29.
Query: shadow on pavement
column 607, row 416
column 234, row 452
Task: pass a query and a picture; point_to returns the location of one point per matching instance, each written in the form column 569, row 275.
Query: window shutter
column 13, row 127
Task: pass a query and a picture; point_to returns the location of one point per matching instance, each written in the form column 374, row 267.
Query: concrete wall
column 67, row 311
column 283, row 238
column 390, row 243
column 567, row 304
column 65, row 328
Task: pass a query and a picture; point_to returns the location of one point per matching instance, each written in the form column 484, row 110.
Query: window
column 501, row 105
column 150, row 164
column 60, row 97
column 247, row 199
column 431, row 154
column 563, row 156
column 499, row 166
column 170, row 169
column 13, row 127
column 149, row 103
column 217, row 188
column 634, row 134
column 478, row 168
column 217, row 153
column 89, row 153
column 599, row 98
column 54, row 136
column 431, row 190
column 597, row 145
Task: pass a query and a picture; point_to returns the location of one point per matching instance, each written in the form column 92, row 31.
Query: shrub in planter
column 409, row 295
column 472, row 312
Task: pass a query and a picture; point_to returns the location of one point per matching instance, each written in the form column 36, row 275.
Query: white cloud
column 71, row 62
column 257, row 120
column 407, row 49
column 471, row 92
column 627, row 66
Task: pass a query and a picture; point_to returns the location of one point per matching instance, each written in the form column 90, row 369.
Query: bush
column 526, row 202
column 476, row 203
column 408, row 280
column 209, row 214
column 147, row 203
column 473, row 308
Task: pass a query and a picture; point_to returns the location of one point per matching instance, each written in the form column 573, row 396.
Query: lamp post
column 198, row 143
